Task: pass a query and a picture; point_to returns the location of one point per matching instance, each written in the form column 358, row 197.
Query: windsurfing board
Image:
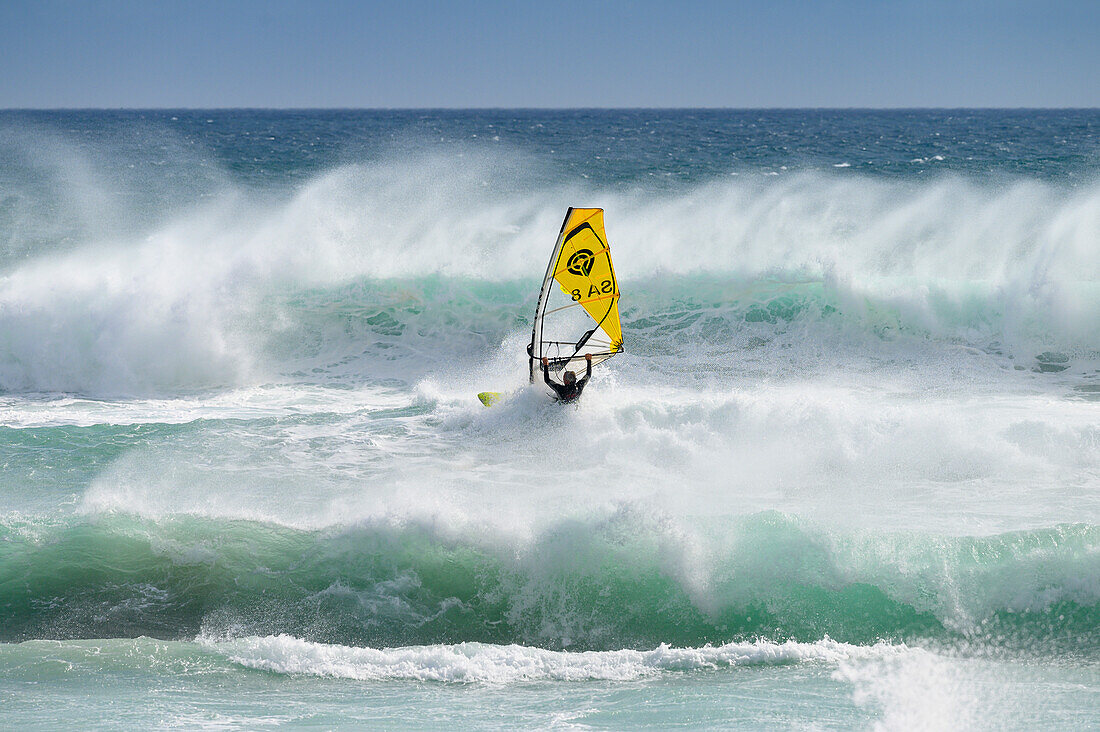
column 490, row 398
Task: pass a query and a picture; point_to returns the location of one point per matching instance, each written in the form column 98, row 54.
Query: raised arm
column 587, row 370
column 558, row 388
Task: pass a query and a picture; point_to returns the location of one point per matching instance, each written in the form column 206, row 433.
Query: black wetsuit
column 567, row 392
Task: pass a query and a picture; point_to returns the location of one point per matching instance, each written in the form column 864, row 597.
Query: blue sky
column 412, row 53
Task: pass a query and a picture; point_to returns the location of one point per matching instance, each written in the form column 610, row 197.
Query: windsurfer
column 571, row 388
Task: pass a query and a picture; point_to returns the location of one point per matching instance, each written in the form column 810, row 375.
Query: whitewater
column 845, row 475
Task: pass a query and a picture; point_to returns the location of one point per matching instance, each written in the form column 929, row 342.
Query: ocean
column 846, row 474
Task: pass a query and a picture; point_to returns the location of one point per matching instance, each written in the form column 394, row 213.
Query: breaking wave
column 363, row 270
column 621, row 582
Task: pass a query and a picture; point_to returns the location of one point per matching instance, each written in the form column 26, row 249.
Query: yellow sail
column 579, row 317
column 585, row 273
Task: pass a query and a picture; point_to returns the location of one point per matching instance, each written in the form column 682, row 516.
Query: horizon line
column 550, row 109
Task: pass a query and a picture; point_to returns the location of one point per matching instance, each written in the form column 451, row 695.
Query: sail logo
column 581, row 262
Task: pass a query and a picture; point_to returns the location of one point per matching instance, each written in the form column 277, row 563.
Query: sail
column 578, row 309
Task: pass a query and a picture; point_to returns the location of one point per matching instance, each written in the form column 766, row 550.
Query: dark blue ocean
column 845, row 475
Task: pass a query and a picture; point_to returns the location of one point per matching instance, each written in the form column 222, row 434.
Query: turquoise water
column 845, row 475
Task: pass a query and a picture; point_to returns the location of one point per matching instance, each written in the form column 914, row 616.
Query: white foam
column 845, row 454
column 50, row 410
column 916, row 691
column 480, row 662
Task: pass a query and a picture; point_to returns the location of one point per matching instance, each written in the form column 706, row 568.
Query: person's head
column 569, row 377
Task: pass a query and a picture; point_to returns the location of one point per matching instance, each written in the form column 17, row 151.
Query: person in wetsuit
column 571, row 388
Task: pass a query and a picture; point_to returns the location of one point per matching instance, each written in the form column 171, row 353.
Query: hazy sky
column 413, row 53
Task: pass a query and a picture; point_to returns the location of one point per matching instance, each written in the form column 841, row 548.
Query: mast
column 534, row 350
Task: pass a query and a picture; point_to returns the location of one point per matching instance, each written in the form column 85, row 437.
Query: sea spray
column 212, row 297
